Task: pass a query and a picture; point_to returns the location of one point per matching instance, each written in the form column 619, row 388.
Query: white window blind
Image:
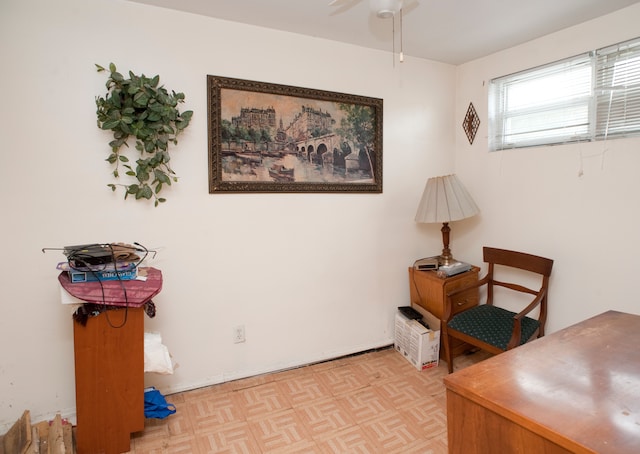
column 618, row 90
column 544, row 105
column 592, row 96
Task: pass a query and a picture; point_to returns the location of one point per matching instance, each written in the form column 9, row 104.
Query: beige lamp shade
column 445, row 199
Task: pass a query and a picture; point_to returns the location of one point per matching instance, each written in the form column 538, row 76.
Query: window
column 593, row 96
column 617, row 93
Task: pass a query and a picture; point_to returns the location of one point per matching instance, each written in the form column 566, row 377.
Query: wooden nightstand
column 429, row 291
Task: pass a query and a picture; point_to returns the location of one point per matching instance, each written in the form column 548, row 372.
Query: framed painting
column 267, row 137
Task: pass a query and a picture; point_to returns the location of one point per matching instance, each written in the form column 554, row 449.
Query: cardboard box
column 420, row 345
column 400, row 333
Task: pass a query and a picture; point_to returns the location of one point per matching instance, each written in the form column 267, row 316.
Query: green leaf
column 142, row 175
column 161, row 176
column 115, row 144
column 117, row 77
column 110, row 124
column 141, row 98
column 99, row 68
column 144, row 192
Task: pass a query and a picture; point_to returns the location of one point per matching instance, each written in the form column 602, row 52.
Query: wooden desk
column 574, row 391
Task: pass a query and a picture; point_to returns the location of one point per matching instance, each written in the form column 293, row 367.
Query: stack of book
column 123, row 271
column 100, row 262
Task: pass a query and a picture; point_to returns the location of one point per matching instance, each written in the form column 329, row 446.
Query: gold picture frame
column 266, row 137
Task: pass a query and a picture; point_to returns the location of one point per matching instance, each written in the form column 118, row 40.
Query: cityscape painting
column 276, row 138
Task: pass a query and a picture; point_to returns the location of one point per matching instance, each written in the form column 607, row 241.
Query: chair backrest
column 519, row 260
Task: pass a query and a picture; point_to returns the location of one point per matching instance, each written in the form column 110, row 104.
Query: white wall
column 577, row 204
column 311, row 276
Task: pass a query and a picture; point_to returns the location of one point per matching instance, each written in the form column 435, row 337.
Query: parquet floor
column 375, row 402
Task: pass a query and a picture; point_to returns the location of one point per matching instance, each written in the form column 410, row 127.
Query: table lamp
column 444, row 200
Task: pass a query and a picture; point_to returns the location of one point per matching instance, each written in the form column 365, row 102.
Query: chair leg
column 448, row 354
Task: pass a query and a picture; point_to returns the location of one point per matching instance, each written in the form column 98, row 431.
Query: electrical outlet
column 238, row 334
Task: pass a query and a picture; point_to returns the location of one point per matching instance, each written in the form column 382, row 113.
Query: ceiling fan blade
column 410, row 5
column 343, row 2
column 342, row 5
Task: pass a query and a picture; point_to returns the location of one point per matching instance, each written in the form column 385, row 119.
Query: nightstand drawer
column 464, row 301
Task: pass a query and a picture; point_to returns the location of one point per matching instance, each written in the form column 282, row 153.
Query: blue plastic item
column 155, row 405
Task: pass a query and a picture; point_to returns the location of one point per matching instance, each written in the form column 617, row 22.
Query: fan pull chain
column 393, row 40
column 401, row 52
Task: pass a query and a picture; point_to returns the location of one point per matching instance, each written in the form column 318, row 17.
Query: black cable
column 124, row 291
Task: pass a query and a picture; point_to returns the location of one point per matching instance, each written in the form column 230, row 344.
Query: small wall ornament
column 139, row 107
column 471, row 123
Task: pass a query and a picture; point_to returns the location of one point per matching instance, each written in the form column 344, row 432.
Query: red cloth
column 112, row 292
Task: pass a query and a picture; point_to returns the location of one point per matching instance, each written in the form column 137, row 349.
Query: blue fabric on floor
column 155, row 405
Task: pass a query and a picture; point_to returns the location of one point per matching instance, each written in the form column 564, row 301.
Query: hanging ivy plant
column 137, row 107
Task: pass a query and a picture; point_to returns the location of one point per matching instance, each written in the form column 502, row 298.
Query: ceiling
column 449, row 31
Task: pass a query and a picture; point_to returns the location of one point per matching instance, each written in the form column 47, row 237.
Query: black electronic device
column 410, row 312
column 426, row 264
column 89, row 254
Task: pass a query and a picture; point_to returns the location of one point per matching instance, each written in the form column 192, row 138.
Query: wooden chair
column 496, row 329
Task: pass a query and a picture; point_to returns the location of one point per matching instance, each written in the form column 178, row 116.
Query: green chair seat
column 492, row 325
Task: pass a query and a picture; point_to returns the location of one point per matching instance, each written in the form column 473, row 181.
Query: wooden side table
column 109, row 362
column 429, row 291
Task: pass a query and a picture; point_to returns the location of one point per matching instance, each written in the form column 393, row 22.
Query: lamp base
column 446, row 260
